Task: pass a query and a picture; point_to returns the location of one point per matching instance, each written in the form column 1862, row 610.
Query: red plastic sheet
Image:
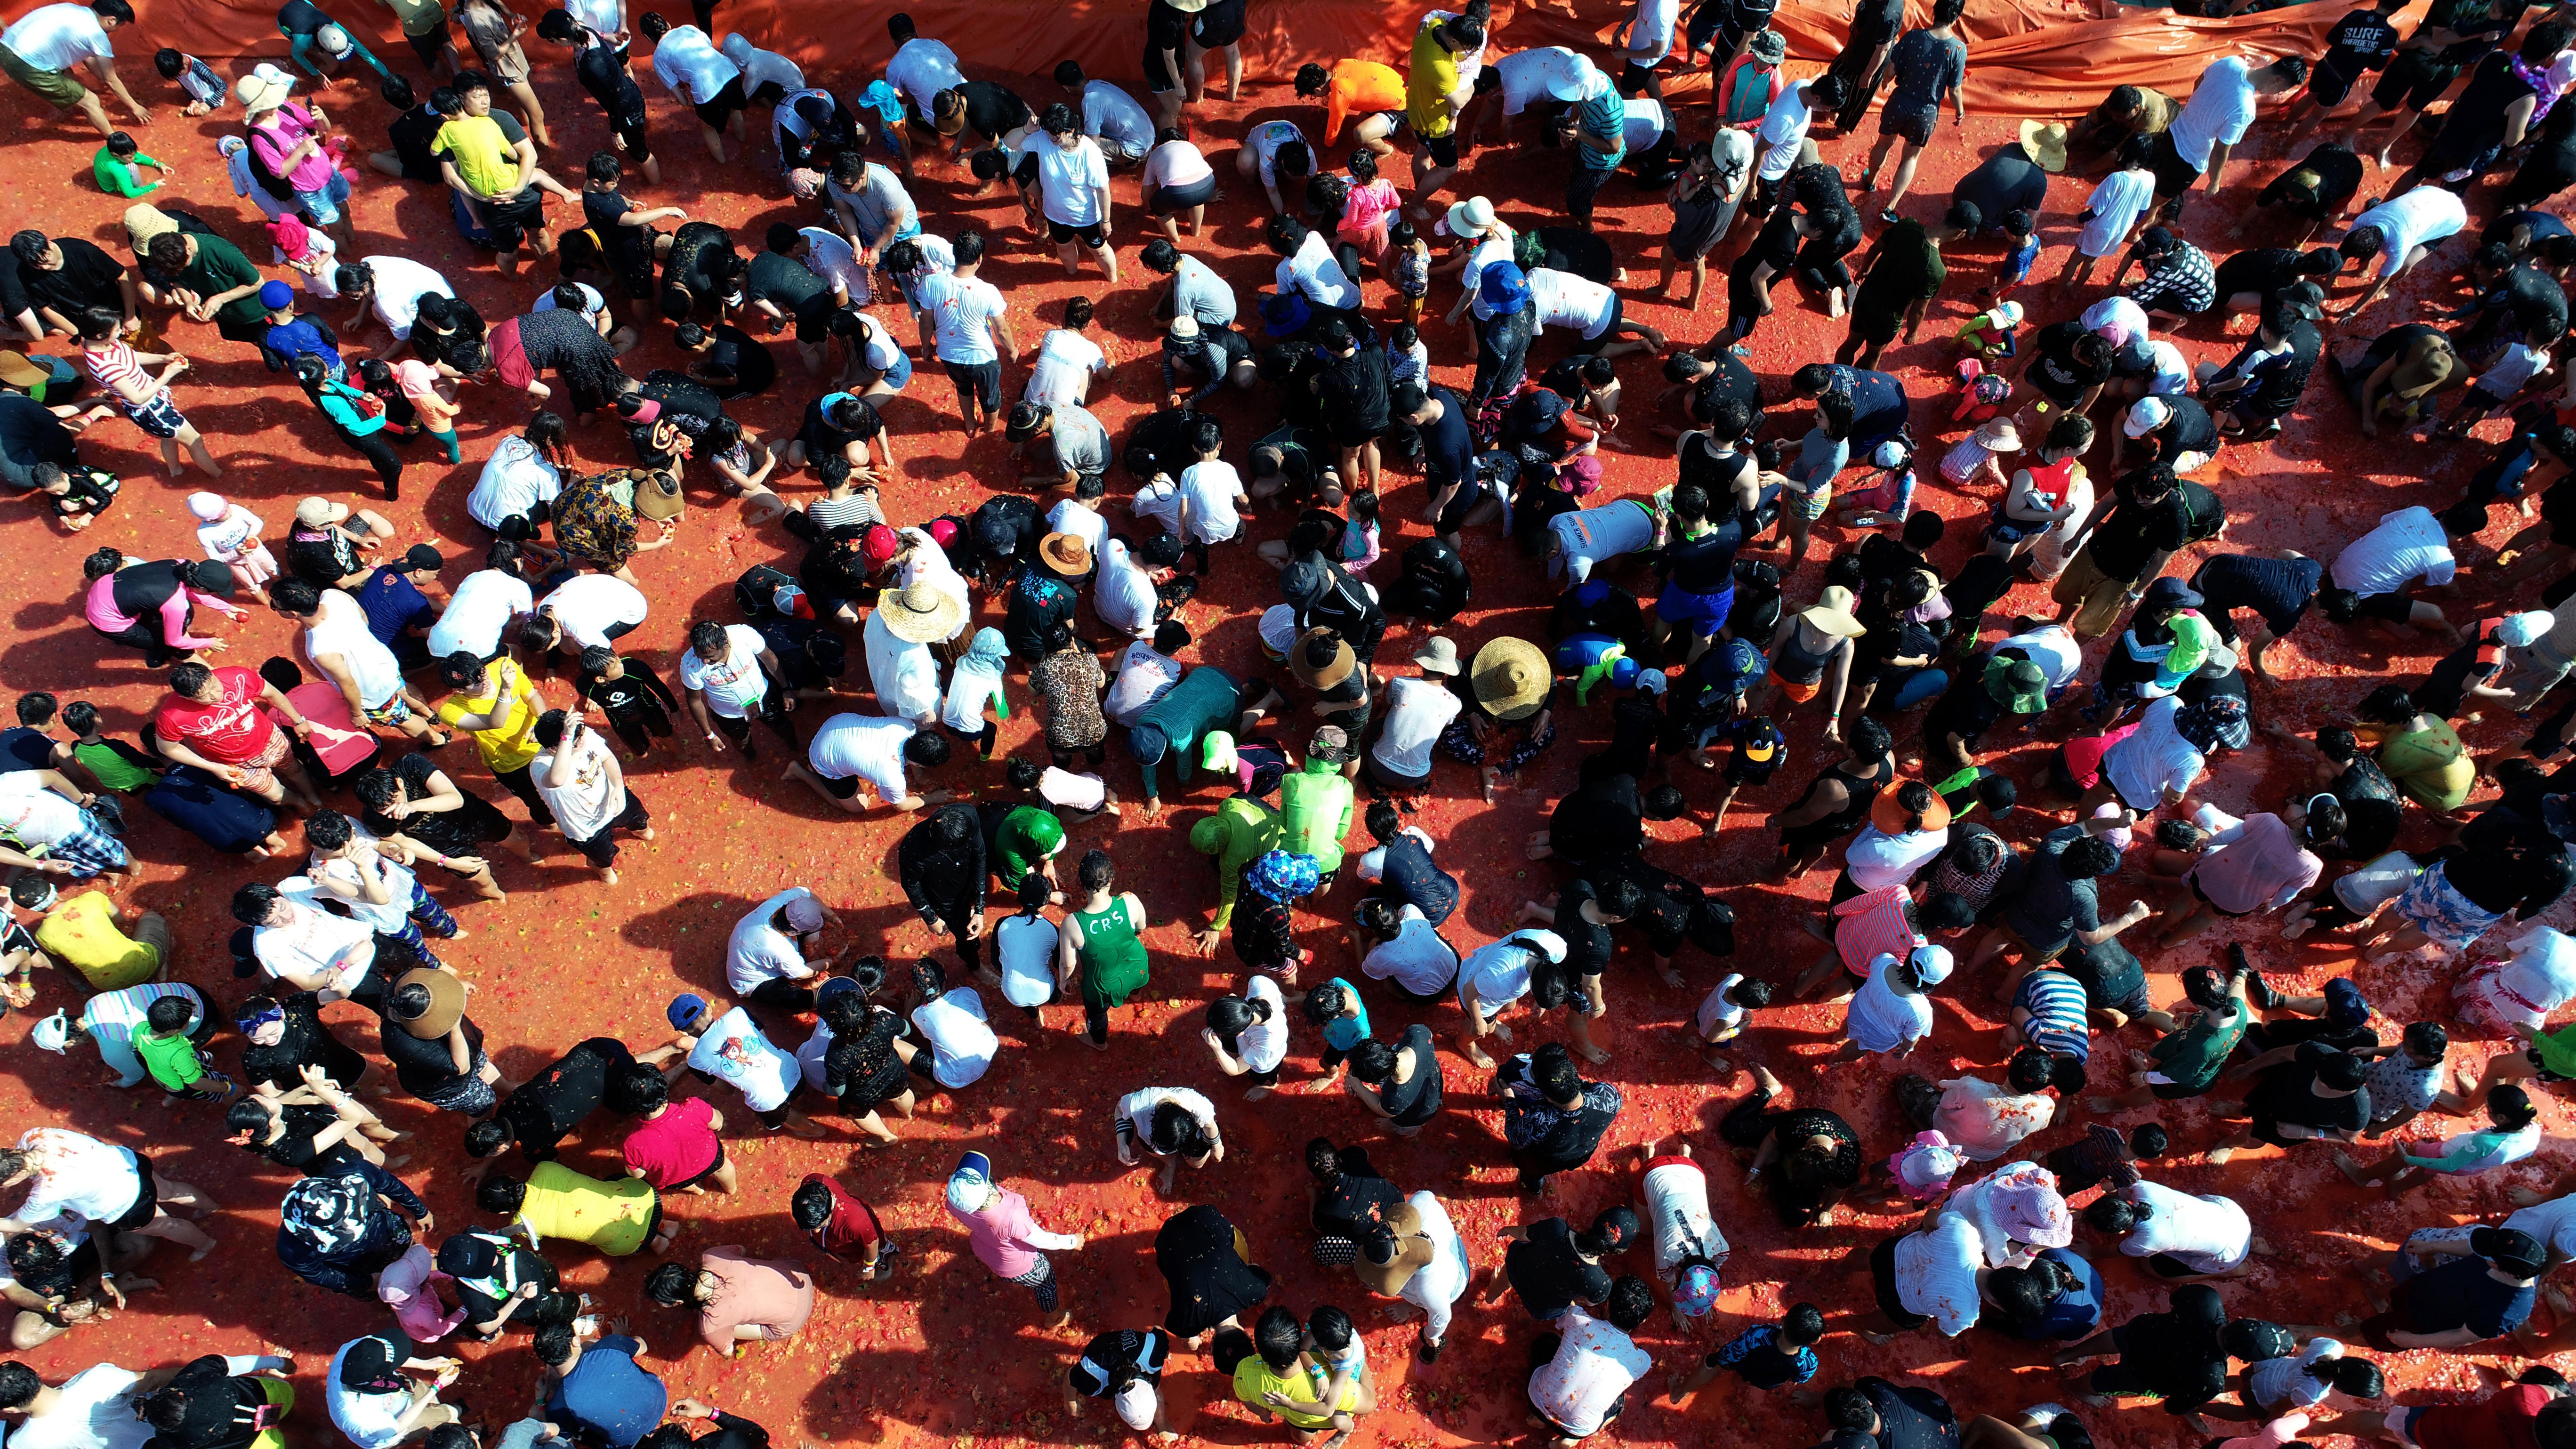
column 2026, row 57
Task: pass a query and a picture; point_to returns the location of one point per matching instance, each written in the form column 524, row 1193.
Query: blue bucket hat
column 1736, row 665
column 1284, row 875
column 1503, row 288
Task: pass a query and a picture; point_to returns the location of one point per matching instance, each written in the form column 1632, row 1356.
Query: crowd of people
column 1688, row 625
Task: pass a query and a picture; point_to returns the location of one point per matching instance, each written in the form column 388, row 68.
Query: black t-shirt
column 1706, row 564
column 1548, row 1274
column 1875, row 23
column 2133, row 530
column 1910, row 1417
column 2189, row 430
column 2108, row 973
column 31, row 434
column 423, row 1064
column 221, row 1409
column 87, row 278
column 294, row 1146
column 992, row 111
column 1448, row 445
column 1728, row 377
column 2287, row 1093
column 1587, row 946
column 782, row 281
column 22, row 748
column 411, row 133
column 2536, row 300
column 305, row 1043
column 1354, row 1201
column 611, row 84
column 2362, row 40
column 2056, row 366
column 627, row 246
column 822, row 435
column 1355, row 391
column 301, row 17
column 1598, row 820
column 554, row 1101
column 2006, row 181
column 742, row 357
column 1966, row 709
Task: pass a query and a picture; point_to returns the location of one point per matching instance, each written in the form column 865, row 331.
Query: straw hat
column 446, row 1003
column 1440, row 656
column 17, row 371
column 1335, row 668
column 1511, row 678
column 2046, row 144
column 1832, row 613
column 264, row 89
column 919, row 614
column 1413, row 1252
column 1471, row 216
column 1066, row 553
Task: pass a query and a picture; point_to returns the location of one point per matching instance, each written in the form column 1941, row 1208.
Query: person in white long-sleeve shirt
column 1173, row 1123
column 1309, row 268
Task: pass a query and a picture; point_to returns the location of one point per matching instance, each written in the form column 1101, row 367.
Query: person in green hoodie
column 1207, row 698
column 1316, row 803
column 1242, row 830
column 1019, row 839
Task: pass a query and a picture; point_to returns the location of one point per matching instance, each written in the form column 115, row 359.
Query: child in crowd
column 114, row 764
column 1922, row 1168
column 1973, row 459
column 1768, row 1356
column 1076, row 797
column 1755, row 752
column 1721, row 1016
column 78, row 494
column 119, row 164
column 1210, row 493
column 1990, row 334
column 1408, row 270
column 1408, row 357
column 2103, row 1156
column 1336, row 1010
column 197, row 81
column 638, row 704
column 183, row 1068
column 1340, row 1359
column 2021, row 249
column 230, row 534
column 974, row 682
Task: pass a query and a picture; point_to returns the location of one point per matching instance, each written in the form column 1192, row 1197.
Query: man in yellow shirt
column 498, row 704
column 1273, row 1375
column 488, row 159
column 1430, row 102
column 83, row 934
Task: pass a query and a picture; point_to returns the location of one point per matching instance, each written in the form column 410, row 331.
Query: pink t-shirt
column 1368, row 205
column 417, row 378
column 285, row 129
column 676, row 1146
column 2257, row 864
column 774, row 1297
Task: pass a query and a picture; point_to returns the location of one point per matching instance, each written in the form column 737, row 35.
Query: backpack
column 1981, row 394
column 767, row 590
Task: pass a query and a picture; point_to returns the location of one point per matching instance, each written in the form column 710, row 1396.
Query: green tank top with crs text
column 1113, row 960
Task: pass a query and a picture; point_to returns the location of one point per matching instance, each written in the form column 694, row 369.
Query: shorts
column 712, row 1169
column 156, row 415
column 1882, row 1277
column 2166, row 1265
column 58, row 88
column 260, row 773
column 510, row 221
column 1165, row 29
column 2174, row 175
column 1679, row 606
column 718, row 111
column 392, row 712
column 2328, row 86
column 2202, row 896
column 601, row 849
column 1809, row 506
column 1268, row 1078
column 147, row 1198
column 1634, row 77
column 324, row 205
column 1443, row 150
column 1912, row 127
column 1799, row 693
column 1220, row 24
column 2393, row 608
column 843, row 787
column 1169, row 199
column 2095, row 597
column 430, row 45
column 896, row 376
column 281, row 1397
column 630, row 134
column 2414, row 79
column 1062, row 232
column 980, row 380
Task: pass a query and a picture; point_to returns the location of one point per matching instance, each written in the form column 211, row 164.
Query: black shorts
column 2202, row 896
column 701, row 1179
column 1061, row 232
column 1911, row 127
column 601, row 849
column 1882, row 1277
column 718, row 111
column 1633, row 78
column 1165, row 29
column 2166, row 1265
column 414, row 170
column 2328, row 86
column 430, row 48
column 982, row 380
column 844, row 788
column 1443, row 149
column 2394, row 608
column 1220, row 24
column 2174, row 175
column 1169, row 199
column 147, row 1200
column 2414, row 80
column 1269, row 1078
column 814, row 318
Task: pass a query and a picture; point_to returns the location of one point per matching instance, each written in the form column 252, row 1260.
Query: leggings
column 637, row 727
column 455, row 450
column 380, row 452
column 1747, row 1122
column 1095, row 1020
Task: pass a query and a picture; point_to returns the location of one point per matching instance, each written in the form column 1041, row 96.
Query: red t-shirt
column 230, row 731
column 852, row 1228
column 2503, row 1422
column 676, row 1146
column 2084, row 753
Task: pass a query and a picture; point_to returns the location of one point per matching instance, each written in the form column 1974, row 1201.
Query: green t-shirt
column 1237, row 833
column 115, row 764
column 1315, row 813
column 172, row 1060
column 2193, row 1056
column 2555, row 1052
column 219, row 268
column 118, row 176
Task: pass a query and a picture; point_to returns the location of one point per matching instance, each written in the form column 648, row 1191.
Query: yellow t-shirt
column 1253, row 1378
column 1428, row 84
column 482, row 153
column 507, row 695
column 83, row 935
column 614, row 1217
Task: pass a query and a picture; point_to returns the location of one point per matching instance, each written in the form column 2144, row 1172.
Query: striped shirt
column 112, row 364
column 2056, row 1005
column 1870, row 925
column 858, row 510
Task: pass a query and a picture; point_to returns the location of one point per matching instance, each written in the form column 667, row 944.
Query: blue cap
column 2345, row 1005
column 1738, row 666
column 684, row 1009
column 276, row 296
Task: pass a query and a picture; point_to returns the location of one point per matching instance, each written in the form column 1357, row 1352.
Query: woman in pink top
column 739, row 1298
column 410, row 1284
column 1004, row 1235
column 2246, row 867
column 151, row 604
column 419, row 382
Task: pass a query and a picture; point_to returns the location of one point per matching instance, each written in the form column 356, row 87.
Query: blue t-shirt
column 1345, row 1032
column 1449, row 444
column 2078, row 1310
column 610, row 1394
column 392, row 603
column 2461, row 1293
column 1757, row 1356
column 294, row 339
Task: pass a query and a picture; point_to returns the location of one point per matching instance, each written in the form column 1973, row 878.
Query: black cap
column 2511, row 1249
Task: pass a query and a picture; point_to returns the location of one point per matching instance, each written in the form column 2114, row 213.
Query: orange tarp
column 2026, row 57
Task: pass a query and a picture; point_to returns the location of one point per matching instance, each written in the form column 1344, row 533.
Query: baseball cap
column 2520, row 631
column 805, row 914
column 970, row 1185
column 1891, row 454
column 1216, row 751
column 276, row 296
column 1932, row 962
column 685, row 1009
column 2345, row 1005
column 880, row 544
column 2149, row 414
column 2511, row 1249
column 54, row 1033
column 1760, row 742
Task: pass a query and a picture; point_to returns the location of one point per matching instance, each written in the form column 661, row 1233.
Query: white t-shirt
column 371, row 1420
column 1063, row 368
column 1417, row 710
column 1566, row 300
column 2280, row 1384
column 1113, row 114
column 337, row 949
column 94, row 1409
column 735, row 683
column 1650, row 30
column 591, row 800
column 691, row 66
column 1137, row 1109
column 1315, row 272
column 341, row 631
column 1144, row 676
column 2220, row 108
column 761, row 67
column 1070, row 179
column 1174, row 163
column 2552, row 1222
column 1265, row 141
column 351, row 882
column 961, row 1044
column 515, row 480
column 1783, row 131
column 592, row 304
column 400, row 284
column 2114, row 207
column 2171, row 376
column 1526, row 73
column 58, row 37
column 1676, row 1195
column 227, row 538
column 905, row 675
column 734, row 1050
column 864, row 747
column 1879, row 1020
column 2421, row 217
column 1646, row 123
column 1419, row 959
column 34, row 813
column 1208, row 492
column 1264, row 1044
column 1208, row 296
column 2208, row 1234
column 1082, row 521
column 1025, row 946
column 81, row 1177
column 2407, row 545
column 1876, row 858
column 1936, row 1273
column 1499, row 971
column 2057, row 652
column 478, row 611
column 1594, row 1364
column 588, row 606
column 833, row 259
column 759, row 952
column 2377, row 883
column 2154, row 758
column 921, row 69
column 961, row 311
column 1716, row 1013
column 2117, row 310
